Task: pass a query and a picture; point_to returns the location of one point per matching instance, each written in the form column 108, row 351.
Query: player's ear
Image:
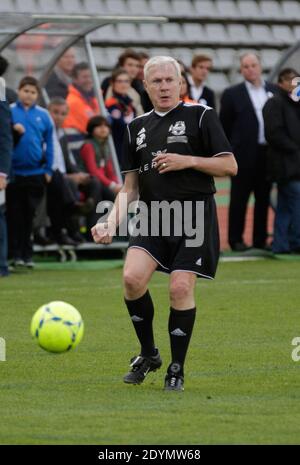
column 145, row 86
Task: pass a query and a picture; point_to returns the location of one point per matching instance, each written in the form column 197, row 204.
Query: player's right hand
column 103, row 232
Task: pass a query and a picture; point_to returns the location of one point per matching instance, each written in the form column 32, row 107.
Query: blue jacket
column 33, row 154
column 6, row 143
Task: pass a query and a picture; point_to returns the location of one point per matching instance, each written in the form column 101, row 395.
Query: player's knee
column 132, row 282
column 179, row 290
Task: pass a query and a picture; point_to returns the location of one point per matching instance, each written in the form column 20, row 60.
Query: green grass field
column 242, row 386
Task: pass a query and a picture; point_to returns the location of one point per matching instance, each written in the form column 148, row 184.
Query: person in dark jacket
column 10, row 94
column 201, row 66
column 120, row 108
column 282, row 129
column 242, row 120
column 61, row 77
column 6, row 146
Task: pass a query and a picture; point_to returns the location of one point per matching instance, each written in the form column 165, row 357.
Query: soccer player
column 171, row 154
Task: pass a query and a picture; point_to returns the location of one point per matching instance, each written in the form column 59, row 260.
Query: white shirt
column 58, row 160
column 258, row 97
column 196, row 91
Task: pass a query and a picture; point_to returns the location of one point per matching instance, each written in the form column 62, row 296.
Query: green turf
column 241, row 383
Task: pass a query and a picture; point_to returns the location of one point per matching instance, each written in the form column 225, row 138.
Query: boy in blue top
column 31, row 168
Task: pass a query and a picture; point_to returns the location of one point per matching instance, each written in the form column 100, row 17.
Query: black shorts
column 173, row 253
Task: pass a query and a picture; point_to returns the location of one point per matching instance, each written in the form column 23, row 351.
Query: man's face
column 28, row 95
column 201, row 70
column 287, row 83
column 84, row 80
column 67, row 62
column 132, row 67
column 163, row 86
column 251, row 68
column 59, row 114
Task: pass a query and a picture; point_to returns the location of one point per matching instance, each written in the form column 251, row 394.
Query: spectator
column 81, row 99
column 70, row 184
column 60, row 79
column 145, row 100
column 95, row 154
column 32, row 168
column 242, row 119
column 6, row 146
column 201, row 66
column 282, row 125
column 120, row 107
column 11, row 95
column 130, row 62
column 185, row 91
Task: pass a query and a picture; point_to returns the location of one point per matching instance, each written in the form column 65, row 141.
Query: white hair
column 161, row 60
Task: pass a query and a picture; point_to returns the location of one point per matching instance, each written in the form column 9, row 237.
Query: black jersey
column 188, row 129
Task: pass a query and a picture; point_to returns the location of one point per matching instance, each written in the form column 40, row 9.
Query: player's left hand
column 172, row 162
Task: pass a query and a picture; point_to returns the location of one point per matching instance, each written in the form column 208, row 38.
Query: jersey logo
column 159, row 152
column 177, row 129
column 141, row 136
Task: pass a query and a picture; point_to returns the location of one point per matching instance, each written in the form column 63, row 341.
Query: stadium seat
column 215, row 33
column 116, row 7
column 75, row 6
column 7, row 6
column 158, row 51
column 171, row 32
column 104, row 34
column 290, row 9
column 161, row 7
column 205, row 9
column 227, row 9
column 238, row 33
column 96, row 7
column 192, row 32
column 297, row 32
column 150, row 33
column 183, row 8
column 270, row 58
column 225, row 58
column 28, row 6
column 261, row 34
column 283, row 34
column 271, row 9
column 249, row 9
column 127, row 32
column 139, row 7
column 50, row 6
column 218, row 81
column 183, row 54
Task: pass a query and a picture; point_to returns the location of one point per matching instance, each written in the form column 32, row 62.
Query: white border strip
column 155, row 259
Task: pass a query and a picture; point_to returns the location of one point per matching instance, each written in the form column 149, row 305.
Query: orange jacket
column 80, row 110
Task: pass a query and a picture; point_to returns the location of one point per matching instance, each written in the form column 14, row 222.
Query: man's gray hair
column 246, row 54
column 161, row 60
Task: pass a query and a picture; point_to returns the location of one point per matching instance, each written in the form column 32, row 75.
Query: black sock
column 141, row 312
column 181, row 323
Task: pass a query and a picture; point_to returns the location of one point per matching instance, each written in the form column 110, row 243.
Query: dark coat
column 282, row 129
column 55, row 87
column 240, row 124
column 6, row 142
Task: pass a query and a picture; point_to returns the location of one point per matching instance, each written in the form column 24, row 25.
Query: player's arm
column 103, row 232
column 219, row 159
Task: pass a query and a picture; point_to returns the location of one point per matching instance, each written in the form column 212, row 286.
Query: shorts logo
column 141, row 136
column 177, row 129
column 199, row 262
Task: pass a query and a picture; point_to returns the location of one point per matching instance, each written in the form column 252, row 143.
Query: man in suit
column 201, row 66
column 242, row 119
column 6, row 146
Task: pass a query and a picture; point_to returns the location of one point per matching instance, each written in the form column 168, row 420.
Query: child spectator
column 95, row 154
column 31, row 168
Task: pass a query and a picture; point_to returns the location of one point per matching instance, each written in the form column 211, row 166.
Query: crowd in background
column 56, row 163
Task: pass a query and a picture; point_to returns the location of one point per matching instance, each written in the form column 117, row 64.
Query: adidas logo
column 136, row 318
column 199, row 262
column 178, row 332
